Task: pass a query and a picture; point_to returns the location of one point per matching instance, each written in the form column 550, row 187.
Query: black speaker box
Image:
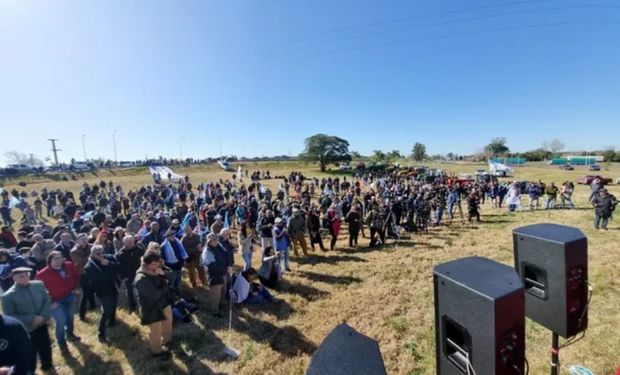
column 552, row 261
column 479, row 318
column 345, row 351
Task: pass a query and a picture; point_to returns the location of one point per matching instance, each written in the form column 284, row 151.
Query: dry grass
column 386, row 294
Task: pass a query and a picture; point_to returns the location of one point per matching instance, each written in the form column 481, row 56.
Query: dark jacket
column 102, row 279
column 152, row 237
column 129, row 260
column 604, row 205
column 216, row 260
column 154, row 296
column 18, row 353
column 265, row 225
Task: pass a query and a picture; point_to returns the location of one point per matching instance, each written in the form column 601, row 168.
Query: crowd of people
column 70, row 251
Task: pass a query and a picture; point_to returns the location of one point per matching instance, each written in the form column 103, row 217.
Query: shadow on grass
column 329, row 279
column 307, row 292
column 93, row 363
column 329, row 259
column 287, row 341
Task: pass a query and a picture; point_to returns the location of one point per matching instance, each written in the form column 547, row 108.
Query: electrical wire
column 461, row 20
column 455, row 35
column 265, row 53
column 575, row 339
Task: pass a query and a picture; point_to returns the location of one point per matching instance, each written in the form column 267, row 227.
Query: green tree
column 418, row 152
column 496, row 147
column 609, row 154
column 378, row 155
column 394, row 155
column 326, row 149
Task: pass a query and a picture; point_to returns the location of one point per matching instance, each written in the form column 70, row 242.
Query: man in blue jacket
column 16, row 353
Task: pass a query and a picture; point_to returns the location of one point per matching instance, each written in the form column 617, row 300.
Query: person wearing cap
column 79, row 255
column 174, row 256
column 604, row 205
column 29, row 302
column 217, row 263
column 102, row 270
column 9, row 262
column 60, row 278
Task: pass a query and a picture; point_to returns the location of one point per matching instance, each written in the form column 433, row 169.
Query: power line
column 462, row 20
column 456, row 35
column 392, row 21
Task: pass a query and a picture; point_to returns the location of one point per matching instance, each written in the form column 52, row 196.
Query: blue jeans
column 600, row 221
column 262, row 296
column 285, row 255
column 438, row 215
column 176, row 279
column 247, row 260
column 63, row 316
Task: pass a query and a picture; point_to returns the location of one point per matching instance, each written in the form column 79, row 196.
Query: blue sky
column 261, row 76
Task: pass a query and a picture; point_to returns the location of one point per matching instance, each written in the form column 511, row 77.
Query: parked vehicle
column 594, row 167
column 587, row 179
column 567, row 167
column 344, row 167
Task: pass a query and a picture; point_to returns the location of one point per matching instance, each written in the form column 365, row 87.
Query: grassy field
column 386, row 294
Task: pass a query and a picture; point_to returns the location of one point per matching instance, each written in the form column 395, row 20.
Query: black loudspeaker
column 479, row 318
column 344, row 352
column 552, row 261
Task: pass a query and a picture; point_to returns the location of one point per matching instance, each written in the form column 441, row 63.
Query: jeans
column 108, row 312
column 87, row 296
column 247, row 260
column 600, row 222
column 63, row 316
column 285, row 255
column 550, row 203
column 262, row 296
column 438, row 215
column 512, row 207
column 176, row 279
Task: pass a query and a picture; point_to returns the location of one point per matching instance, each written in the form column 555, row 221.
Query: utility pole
column 114, row 142
column 55, row 150
column 84, row 147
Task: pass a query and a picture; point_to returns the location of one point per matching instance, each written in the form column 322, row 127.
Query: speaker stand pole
column 555, row 351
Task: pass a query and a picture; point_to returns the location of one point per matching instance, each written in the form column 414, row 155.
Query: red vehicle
column 587, row 179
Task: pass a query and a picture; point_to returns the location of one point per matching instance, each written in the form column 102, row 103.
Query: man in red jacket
column 60, row 279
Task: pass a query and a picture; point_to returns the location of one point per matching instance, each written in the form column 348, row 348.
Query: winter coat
column 59, row 287
column 102, row 279
column 129, row 260
column 24, row 303
column 154, row 296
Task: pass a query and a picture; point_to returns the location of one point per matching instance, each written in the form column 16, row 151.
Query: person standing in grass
column 192, row 243
column 29, row 302
column 551, row 193
column 354, row 220
column 604, row 205
column 217, row 263
column 101, row 271
column 61, row 279
column 155, row 301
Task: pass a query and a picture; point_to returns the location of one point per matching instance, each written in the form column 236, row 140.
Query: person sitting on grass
column 246, row 289
column 270, row 272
